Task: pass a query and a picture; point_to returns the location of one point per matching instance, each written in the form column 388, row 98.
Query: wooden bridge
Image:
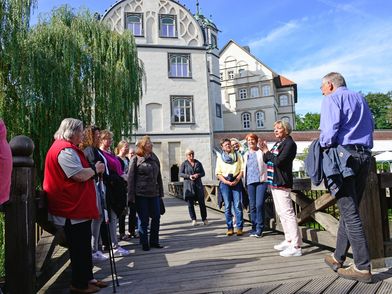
column 203, row 259
column 200, row 259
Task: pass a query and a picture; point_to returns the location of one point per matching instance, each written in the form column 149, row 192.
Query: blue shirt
column 345, row 119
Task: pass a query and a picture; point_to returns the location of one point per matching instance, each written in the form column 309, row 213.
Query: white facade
column 182, row 94
column 253, row 95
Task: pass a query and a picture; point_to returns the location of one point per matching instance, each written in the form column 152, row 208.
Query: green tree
column 70, row 65
column 308, row 122
column 381, row 107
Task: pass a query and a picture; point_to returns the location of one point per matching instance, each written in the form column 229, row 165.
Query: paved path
column 202, row 259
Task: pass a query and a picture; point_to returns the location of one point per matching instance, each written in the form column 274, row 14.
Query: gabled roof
column 247, row 52
column 282, row 82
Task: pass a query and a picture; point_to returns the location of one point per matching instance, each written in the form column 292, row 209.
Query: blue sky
column 300, row 39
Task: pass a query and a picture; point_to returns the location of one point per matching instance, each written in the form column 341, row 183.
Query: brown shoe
column 352, row 273
column 229, row 232
column 239, row 232
column 90, row 289
column 99, row 284
column 332, row 262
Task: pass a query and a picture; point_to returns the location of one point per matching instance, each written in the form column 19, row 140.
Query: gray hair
column 188, row 151
column 68, row 128
column 285, row 125
column 336, row 79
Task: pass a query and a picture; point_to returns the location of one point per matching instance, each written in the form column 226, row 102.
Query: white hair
column 68, row 128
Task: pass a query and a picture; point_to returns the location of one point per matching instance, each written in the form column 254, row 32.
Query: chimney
column 246, row 48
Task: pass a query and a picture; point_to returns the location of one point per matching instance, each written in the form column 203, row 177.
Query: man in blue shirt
column 346, row 120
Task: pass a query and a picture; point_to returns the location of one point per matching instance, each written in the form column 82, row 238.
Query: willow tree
column 73, row 65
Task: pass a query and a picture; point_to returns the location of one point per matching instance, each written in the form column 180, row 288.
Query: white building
column 253, row 95
column 181, row 106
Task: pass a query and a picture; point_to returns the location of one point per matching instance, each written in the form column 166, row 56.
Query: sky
column 302, row 40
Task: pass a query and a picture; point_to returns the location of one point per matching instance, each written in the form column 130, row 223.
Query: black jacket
column 144, row 177
column 191, row 188
column 283, row 162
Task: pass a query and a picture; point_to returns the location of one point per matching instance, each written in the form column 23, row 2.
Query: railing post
column 20, row 220
column 370, row 211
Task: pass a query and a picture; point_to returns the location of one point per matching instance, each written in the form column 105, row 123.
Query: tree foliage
column 70, row 65
column 308, row 122
column 381, row 107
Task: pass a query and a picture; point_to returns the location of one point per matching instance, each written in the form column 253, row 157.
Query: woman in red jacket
column 69, row 185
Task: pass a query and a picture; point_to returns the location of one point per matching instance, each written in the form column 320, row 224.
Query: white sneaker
column 194, row 223
column 282, row 246
column 291, row 251
column 205, row 222
column 99, row 256
column 119, row 251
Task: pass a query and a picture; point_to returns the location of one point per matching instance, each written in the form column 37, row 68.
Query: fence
column 317, row 213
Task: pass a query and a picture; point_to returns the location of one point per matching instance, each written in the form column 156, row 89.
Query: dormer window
column 134, row 23
column 167, row 26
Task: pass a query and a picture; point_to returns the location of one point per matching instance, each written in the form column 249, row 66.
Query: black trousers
column 131, row 220
column 79, row 240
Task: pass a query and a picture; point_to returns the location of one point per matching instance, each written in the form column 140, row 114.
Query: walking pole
column 105, row 217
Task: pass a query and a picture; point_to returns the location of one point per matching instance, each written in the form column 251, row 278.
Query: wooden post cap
column 22, row 148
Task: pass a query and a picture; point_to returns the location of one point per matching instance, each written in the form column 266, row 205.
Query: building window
column 243, row 93
column 266, row 90
column 283, row 100
column 221, row 76
column 167, row 26
column 230, row 74
column 179, row 65
column 182, row 109
column 254, row 92
column 286, row 119
column 218, row 110
column 260, row 119
column 245, row 117
column 241, row 72
column 134, row 23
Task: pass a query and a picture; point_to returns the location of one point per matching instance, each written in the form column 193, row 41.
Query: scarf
column 229, row 158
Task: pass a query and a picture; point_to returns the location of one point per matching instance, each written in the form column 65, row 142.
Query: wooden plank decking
column 202, row 259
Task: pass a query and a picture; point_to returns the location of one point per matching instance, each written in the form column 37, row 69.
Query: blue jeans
column 232, row 196
column 350, row 230
column 148, row 207
column 256, row 194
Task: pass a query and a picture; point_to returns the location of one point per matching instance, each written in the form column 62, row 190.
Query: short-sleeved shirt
column 71, row 165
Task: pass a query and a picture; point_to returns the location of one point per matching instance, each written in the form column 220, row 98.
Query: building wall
column 241, row 71
column 156, row 110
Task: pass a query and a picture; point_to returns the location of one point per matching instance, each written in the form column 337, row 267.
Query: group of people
column 90, row 189
column 346, row 122
column 84, row 179
column 255, row 170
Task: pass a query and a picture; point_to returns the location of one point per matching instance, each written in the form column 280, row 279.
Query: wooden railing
column 314, row 205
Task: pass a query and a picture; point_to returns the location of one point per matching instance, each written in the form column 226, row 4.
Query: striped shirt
column 270, row 166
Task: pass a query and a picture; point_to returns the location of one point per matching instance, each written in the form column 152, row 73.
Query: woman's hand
column 99, row 167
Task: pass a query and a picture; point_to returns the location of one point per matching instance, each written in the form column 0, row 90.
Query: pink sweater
column 5, row 165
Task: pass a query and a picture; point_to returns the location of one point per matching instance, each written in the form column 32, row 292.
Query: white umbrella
column 298, row 165
column 385, row 156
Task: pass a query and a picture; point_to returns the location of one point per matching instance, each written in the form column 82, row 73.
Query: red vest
column 66, row 197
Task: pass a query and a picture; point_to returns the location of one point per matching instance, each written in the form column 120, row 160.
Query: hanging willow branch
column 74, row 66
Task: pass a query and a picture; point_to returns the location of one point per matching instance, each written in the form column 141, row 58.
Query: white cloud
column 275, row 35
